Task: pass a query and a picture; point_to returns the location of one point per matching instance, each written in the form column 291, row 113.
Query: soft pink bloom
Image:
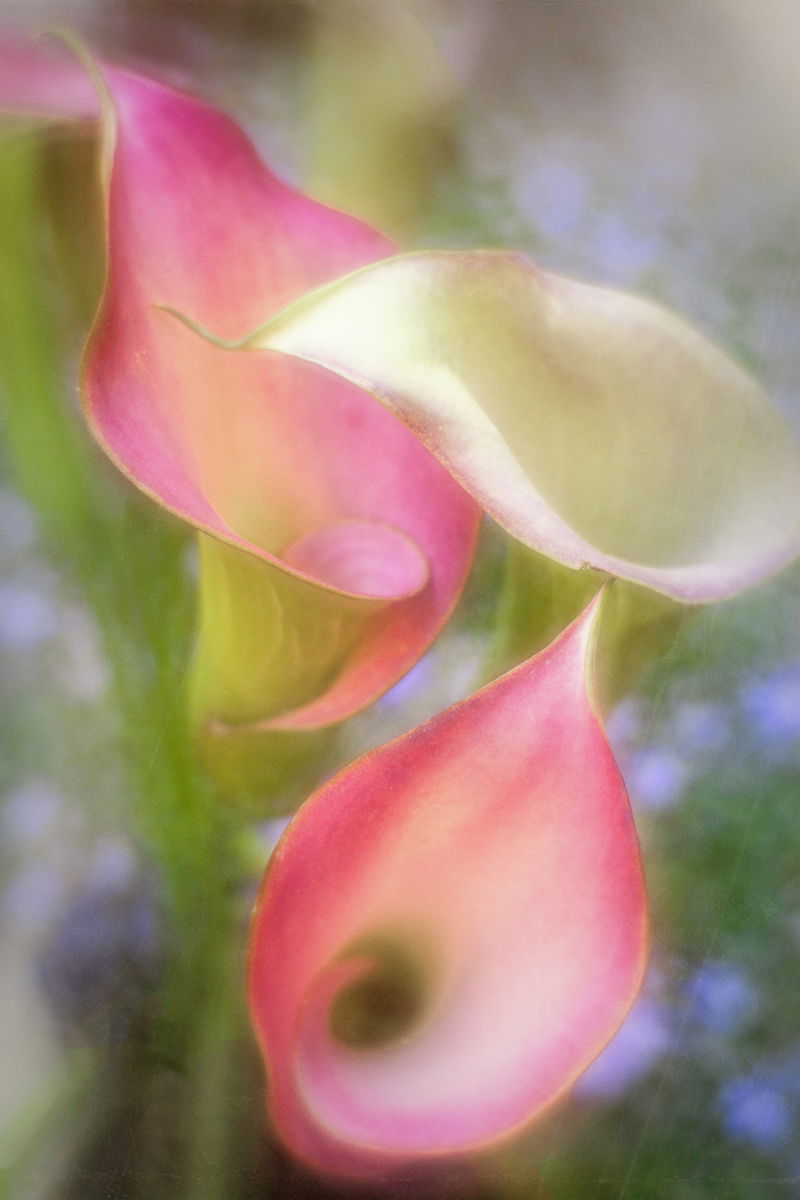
column 452, row 928
column 338, row 545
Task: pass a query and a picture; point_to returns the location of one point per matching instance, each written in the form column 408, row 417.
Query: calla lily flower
column 596, row 427
column 452, row 928
column 333, row 544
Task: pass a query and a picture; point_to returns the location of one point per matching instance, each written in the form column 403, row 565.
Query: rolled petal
column 271, row 643
column 452, row 928
column 344, row 520
column 593, row 425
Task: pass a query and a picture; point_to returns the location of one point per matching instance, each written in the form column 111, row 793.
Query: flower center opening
column 385, row 1003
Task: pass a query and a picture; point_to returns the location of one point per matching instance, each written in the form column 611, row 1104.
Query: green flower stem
column 379, row 113
column 129, row 561
column 191, row 833
column 49, row 454
column 210, row 1116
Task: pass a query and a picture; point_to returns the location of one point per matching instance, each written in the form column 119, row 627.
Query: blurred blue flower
column 656, row 777
column 754, row 1111
column 28, row 616
column 721, row 998
column 29, row 813
column 624, row 252
column 701, row 726
column 624, row 725
column 772, row 708
column 552, row 191
column 102, row 958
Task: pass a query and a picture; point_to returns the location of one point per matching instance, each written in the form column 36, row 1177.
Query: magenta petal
column 452, row 928
column 329, row 494
column 264, row 453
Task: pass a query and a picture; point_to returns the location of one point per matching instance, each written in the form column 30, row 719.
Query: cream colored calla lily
column 596, row 427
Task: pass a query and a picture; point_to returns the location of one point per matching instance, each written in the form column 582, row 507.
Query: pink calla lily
column 452, row 928
column 338, row 544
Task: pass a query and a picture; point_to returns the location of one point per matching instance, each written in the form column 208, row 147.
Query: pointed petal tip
column 458, row 837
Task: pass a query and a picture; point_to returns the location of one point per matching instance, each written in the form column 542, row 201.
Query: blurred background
column 649, row 145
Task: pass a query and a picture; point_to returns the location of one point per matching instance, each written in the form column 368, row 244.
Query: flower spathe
column 452, row 928
column 596, row 427
column 338, row 545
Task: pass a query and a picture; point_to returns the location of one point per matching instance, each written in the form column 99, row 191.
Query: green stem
column 379, row 114
column 213, row 1071
column 49, row 454
column 129, row 563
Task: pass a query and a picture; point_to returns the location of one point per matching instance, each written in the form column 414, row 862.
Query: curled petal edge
column 465, row 878
column 365, row 564
column 593, row 425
